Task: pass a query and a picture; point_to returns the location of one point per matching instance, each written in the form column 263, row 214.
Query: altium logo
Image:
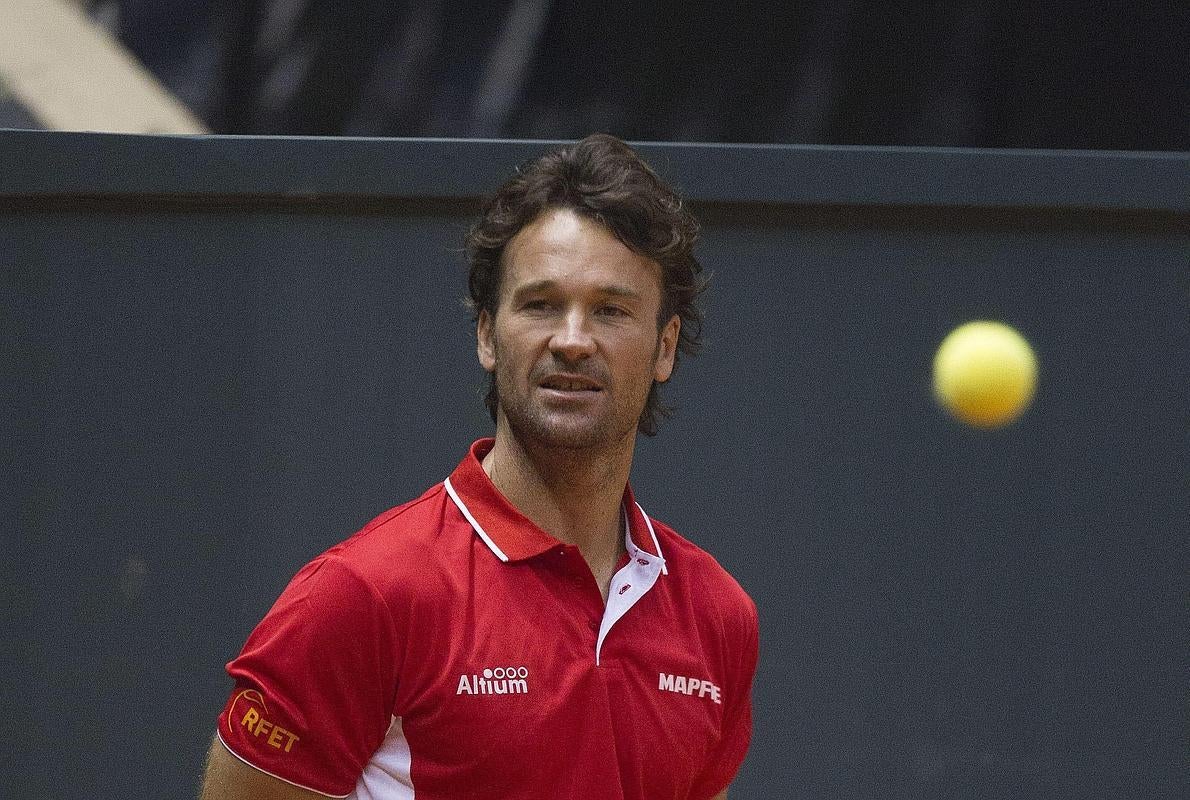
column 501, row 680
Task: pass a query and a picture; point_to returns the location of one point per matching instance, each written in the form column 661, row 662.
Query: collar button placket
column 629, row 585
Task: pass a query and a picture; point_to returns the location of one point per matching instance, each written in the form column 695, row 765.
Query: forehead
column 576, row 251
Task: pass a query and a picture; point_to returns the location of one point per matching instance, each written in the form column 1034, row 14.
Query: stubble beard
column 536, row 426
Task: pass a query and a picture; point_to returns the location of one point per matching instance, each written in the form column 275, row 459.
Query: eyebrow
column 545, row 285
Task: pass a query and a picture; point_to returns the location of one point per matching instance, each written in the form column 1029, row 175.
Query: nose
column 572, row 340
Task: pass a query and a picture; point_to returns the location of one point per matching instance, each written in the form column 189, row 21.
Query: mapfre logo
column 689, row 686
column 251, row 716
column 495, row 680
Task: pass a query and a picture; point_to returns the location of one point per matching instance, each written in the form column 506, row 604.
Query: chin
column 568, row 438
column 566, row 434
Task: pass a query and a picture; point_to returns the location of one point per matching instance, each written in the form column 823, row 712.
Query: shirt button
column 593, row 624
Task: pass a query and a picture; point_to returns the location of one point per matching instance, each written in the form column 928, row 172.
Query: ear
column 485, row 345
column 667, row 349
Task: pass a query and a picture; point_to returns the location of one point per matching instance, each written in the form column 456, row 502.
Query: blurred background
column 989, row 73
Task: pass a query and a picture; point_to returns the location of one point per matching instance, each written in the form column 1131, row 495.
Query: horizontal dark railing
column 43, row 165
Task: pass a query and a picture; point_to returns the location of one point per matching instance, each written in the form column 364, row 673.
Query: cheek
column 644, row 358
column 513, row 350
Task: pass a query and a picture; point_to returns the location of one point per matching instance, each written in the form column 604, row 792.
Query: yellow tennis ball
column 985, row 374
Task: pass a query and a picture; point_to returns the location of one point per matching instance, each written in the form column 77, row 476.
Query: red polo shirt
column 453, row 649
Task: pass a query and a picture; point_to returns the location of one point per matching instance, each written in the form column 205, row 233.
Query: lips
column 570, row 383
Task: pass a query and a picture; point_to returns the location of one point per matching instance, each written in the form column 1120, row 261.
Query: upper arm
column 229, row 778
column 743, row 648
column 315, row 682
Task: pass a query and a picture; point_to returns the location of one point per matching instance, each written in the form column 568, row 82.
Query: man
column 522, row 630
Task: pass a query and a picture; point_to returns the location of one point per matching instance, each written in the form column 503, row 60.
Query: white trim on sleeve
column 227, row 747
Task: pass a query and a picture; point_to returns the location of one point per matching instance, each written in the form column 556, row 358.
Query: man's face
column 574, row 343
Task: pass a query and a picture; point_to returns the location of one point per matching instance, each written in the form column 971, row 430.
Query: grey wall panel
column 202, row 392
column 204, row 401
column 945, row 612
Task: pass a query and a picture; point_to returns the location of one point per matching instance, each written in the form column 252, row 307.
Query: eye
column 535, row 305
column 613, row 311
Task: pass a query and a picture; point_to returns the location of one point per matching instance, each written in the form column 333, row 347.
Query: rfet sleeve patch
column 314, row 683
column 248, row 709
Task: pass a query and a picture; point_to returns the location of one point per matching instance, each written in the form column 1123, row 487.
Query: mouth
column 570, row 383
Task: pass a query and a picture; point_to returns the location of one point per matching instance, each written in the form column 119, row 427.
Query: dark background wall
column 221, row 356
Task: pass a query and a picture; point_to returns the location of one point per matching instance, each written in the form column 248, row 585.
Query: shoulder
column 399, row 550
column 705, row 578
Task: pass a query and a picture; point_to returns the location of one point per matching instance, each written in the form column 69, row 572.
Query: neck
column 574, row 495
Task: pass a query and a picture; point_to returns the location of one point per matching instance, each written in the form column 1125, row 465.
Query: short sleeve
column 736, row 734
column 315, row 682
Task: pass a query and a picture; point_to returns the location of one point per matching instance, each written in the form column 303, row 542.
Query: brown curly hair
column 603, row 179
